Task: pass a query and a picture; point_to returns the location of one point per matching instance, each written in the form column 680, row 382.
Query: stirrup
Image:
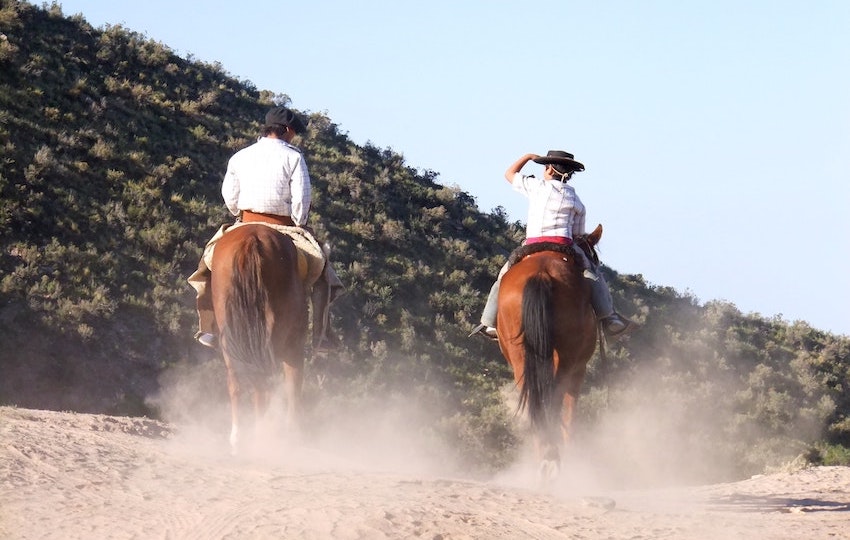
column 487, row 331
column 207, row 340
column 587, row 274
column 616, row 325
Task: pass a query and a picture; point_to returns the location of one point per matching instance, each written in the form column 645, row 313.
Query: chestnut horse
column 547, row 332
column 260, row 303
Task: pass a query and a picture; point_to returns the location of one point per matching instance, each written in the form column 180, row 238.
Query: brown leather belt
column 248, row 216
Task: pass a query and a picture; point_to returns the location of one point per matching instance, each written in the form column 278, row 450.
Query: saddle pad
column 311, row 260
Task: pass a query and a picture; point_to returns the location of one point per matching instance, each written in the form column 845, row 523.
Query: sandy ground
column 68, row 475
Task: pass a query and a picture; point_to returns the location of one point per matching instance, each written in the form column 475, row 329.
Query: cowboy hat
column 559, row 157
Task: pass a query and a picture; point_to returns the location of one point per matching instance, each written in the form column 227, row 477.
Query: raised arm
column 517, row 166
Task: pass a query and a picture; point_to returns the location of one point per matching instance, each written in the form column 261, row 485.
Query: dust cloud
column 646, row 428
column 376, row 467
column 346, row 434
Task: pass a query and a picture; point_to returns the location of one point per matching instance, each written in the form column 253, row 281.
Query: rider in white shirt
column 555, row 214
column 268, row 177
column 268, row 182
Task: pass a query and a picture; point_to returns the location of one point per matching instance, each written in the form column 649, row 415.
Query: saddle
column 579, row 241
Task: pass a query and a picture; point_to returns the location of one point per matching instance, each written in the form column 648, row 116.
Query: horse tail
column 538, row 382
column 246, row 330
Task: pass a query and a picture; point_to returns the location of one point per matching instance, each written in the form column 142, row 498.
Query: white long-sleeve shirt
column 269, row 177
column 554, row 209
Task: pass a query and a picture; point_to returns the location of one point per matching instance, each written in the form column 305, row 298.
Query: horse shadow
column 738, row 502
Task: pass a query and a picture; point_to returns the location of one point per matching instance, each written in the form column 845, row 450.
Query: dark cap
column 281, row 116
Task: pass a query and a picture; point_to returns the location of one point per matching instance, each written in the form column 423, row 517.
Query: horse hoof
column 603, row 503
column 234, row 442
column 548, row 471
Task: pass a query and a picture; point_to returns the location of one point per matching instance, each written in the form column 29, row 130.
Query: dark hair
column 561, row 169
column 277, row 130
column 562, row 172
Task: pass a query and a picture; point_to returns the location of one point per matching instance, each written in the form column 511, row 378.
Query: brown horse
column 260, row 303
column 547, row 332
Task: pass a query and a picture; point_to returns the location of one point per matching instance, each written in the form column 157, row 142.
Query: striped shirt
column 268, row 177
column 554, row 209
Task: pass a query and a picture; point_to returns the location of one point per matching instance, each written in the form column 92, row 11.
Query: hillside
column 113, row 149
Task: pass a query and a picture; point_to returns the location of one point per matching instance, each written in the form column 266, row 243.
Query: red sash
column 554, row 239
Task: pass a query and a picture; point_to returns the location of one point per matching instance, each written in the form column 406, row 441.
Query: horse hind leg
column 293, row 374
column 548, row 471
column 567, row 408
column 554, row 440
column 261, row 398
column 548, row 451
column 550, row 443
column 234, row 391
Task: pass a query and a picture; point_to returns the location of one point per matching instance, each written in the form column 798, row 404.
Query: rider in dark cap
column 268, row 182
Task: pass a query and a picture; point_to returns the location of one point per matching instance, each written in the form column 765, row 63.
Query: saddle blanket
column 311, row 260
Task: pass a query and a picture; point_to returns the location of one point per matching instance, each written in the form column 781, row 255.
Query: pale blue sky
column 716, row 134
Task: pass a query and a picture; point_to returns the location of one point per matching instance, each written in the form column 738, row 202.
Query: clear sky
column 715, row 134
